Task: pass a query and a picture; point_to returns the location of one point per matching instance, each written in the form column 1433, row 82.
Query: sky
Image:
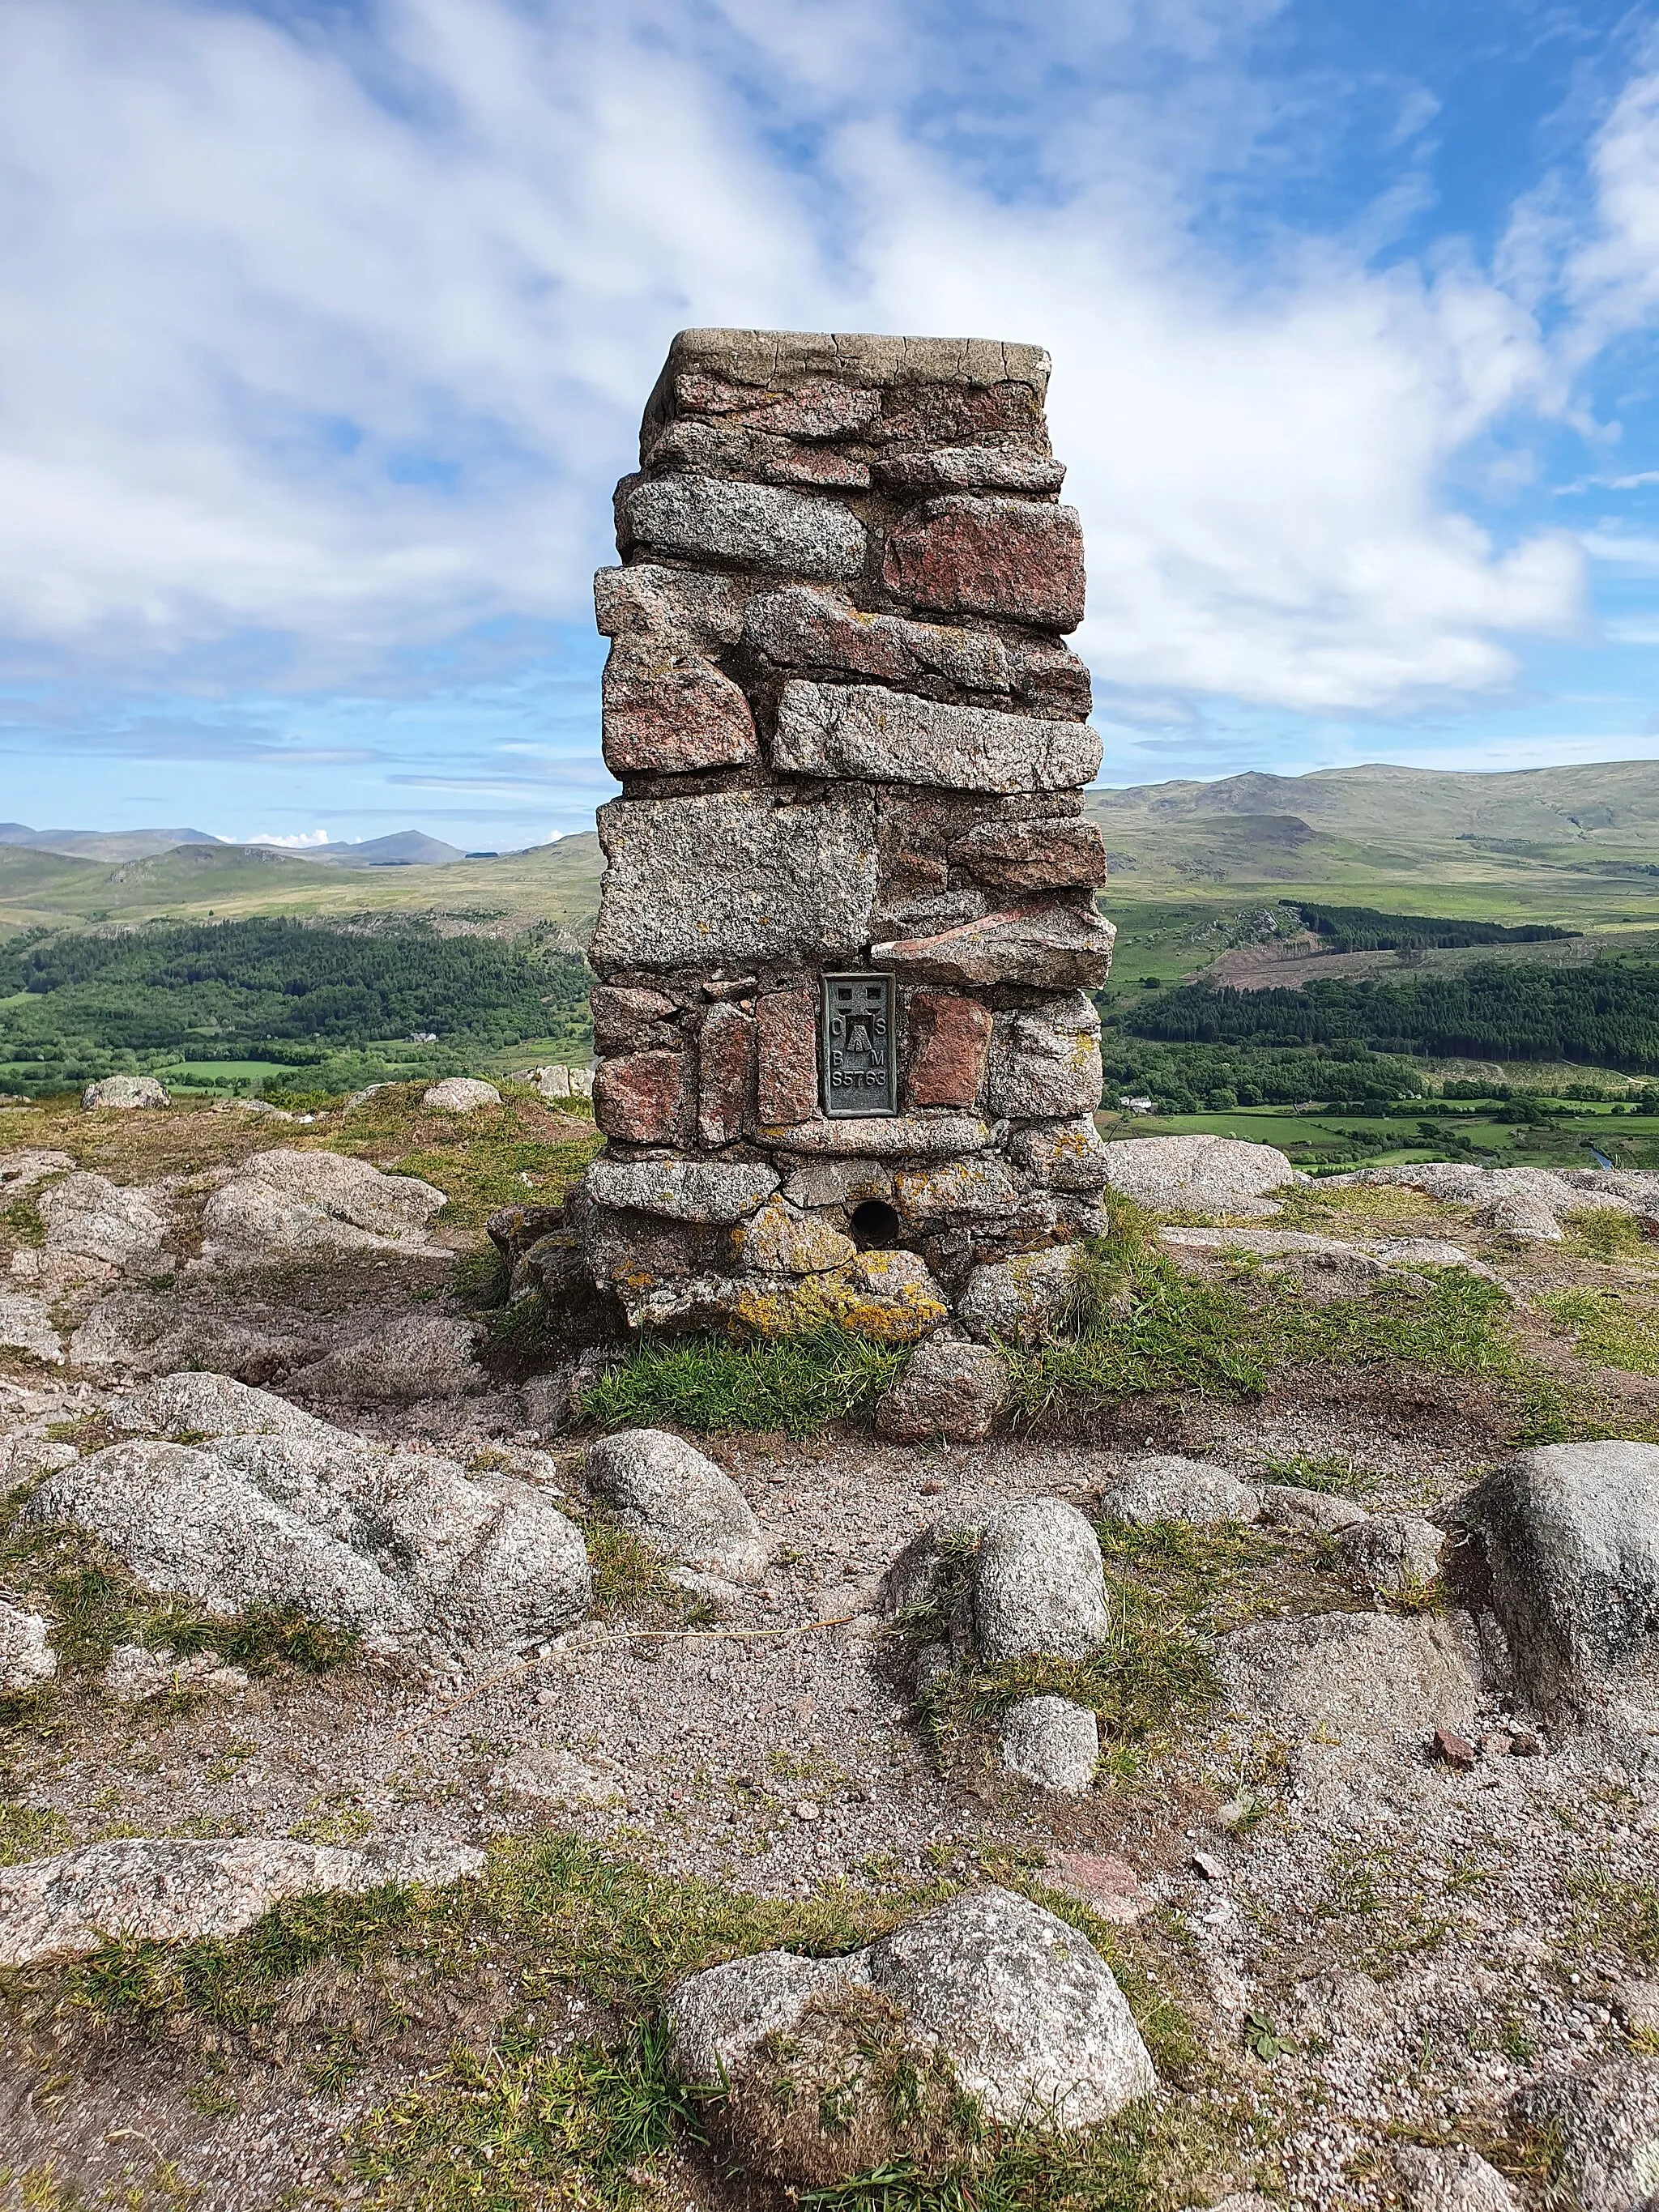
column 327, row 325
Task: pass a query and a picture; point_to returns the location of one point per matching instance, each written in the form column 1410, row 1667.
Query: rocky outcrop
column 283, row 1204
column 26, row 1325
column 165, row 1891
column 1198, row 1175
column 460, row 1094
column 268, row 1507
column 125, row 1092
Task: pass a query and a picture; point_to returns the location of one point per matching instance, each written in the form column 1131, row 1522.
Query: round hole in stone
column 875, row 1226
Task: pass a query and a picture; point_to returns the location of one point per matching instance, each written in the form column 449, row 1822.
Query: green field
column 1337, row 1141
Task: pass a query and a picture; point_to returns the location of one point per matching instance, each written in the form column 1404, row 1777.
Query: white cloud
column 299, row 837
column 255, row 275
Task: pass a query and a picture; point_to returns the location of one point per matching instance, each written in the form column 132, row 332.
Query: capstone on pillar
column 847, row 923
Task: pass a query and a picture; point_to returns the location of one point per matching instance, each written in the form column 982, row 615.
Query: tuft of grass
column 480, row 1279
column 1610, row 1328
column 24, row 1222
column 1617, row 1915
column 708, row 1383
column 516, row 2128
column 1141, row 1326
column 631, row 1579
column 1338, row 1478
column 1604, row 1233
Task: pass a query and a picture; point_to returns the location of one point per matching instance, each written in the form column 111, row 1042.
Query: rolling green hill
column 1574, row 846
column 556, row 883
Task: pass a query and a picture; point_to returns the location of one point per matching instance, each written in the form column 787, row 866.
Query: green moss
column 793, row 1384
column 1604, row 1233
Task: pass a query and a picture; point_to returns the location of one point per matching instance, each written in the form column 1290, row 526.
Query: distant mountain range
column 404, row 849
column 1522, row 842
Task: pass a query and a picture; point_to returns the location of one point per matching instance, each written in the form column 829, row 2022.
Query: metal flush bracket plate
column 856, row 1041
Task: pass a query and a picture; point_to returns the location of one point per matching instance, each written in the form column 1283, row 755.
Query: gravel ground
column 1382, row 1951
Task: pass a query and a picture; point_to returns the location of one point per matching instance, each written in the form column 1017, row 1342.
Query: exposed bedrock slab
column 285, row 1201
column 402, row 1547
column 163, row 1891
column 991, row 557
column 1047, row 947
column 752, row 526
column 89, row 1218
column 1359, row 1674
column 1198, row 1175
column 771, row 881
column 891, row 737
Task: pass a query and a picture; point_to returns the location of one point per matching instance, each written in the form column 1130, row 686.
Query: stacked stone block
column 852, row 740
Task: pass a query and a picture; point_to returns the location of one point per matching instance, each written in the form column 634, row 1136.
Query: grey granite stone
column 865, row 730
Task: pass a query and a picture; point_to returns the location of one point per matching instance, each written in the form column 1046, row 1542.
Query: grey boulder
column 1391, row 1554
column 125, row 1092
column 415, row 1358
column 168, row 1892
column 1052, row 1744
column 1038, row 1584
column 1167, row 1488
column 1562, row 1548
column 678, row 1502
column 193, row 1404
column 460, row 1094
column 947, row 1389
column 1025, row 2009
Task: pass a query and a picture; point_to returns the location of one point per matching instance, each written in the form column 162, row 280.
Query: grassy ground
column 522, row 2117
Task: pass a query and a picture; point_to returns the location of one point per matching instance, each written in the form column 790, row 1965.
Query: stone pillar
column 852, row 743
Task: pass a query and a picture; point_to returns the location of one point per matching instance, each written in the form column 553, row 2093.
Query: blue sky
column 328, row 325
